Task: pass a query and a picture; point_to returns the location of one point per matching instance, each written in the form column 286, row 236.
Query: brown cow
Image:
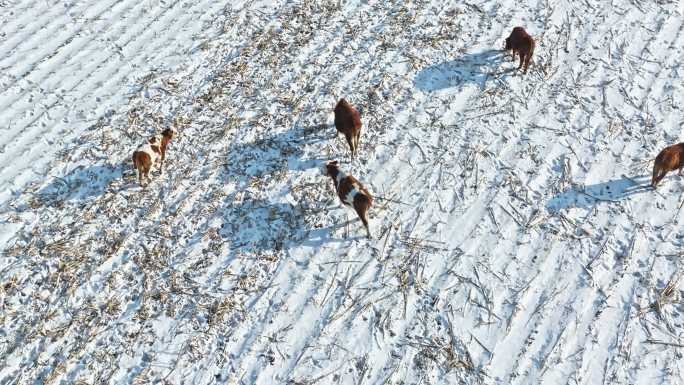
column 522, row 43
column 669, row 159
column 351, row 192
column 149, row 153
column 348, row 122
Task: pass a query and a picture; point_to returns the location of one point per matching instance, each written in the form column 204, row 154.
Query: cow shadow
column 339, row 232
column 473, row 68
column 277, row 153
column 254, row 224
column 614, row 190
column 82, row 183
column 248, row 225
column 258, row 225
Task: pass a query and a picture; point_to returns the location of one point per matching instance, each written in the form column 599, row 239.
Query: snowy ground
column 514, row 244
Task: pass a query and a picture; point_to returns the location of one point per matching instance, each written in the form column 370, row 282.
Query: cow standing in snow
column 348, row 122
column 351, row 192
column 522, row 43
column 149, row 153
column 669, row 159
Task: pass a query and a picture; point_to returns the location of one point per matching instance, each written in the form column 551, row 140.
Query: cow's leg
column 350, row 141
column 147, row 173
column 362, row 212
column 356, row 148
column 161, row 163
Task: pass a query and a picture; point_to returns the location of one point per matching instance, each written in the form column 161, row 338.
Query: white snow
column 514, row 240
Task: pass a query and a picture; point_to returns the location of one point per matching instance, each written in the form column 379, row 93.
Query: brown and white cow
column 149, row 153
column 669, row 159
column 521, row 42
column 351, row 192
column 348, row 122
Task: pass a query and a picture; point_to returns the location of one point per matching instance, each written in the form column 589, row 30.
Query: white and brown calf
column 149, row 153
column 351, row 192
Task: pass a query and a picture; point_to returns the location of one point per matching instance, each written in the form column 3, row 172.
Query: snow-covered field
column 513, row 243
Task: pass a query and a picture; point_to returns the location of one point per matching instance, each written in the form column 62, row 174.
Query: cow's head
column 507, row 44
column 331, row 168
column 169, row 133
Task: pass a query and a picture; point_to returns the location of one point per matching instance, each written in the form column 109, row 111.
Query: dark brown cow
column 149, row 153
column 669, row 159
column 522, row 43
column 348, row 122
column 351, row 192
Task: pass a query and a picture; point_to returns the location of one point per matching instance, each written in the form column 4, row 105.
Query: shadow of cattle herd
column 470, row 68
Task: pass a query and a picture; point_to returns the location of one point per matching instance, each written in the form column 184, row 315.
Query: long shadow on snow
column 250, row 223
column 611, row 191
column 470, row 68
column 255, row 225
column 82, row 183
column 320, row 236
column 273, row 154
